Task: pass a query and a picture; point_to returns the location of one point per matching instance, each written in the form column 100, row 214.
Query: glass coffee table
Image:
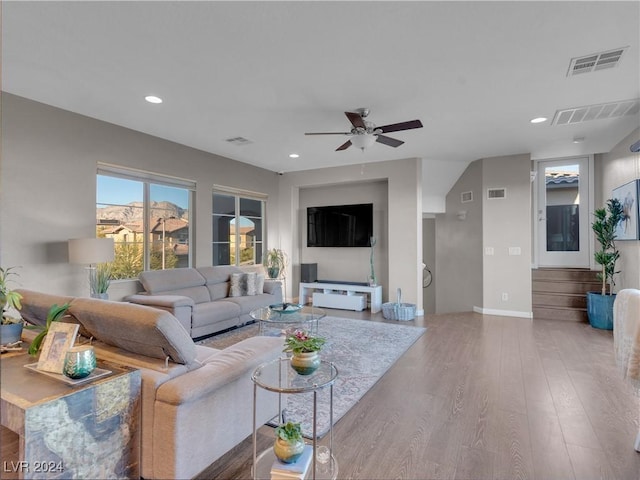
column 276, row 319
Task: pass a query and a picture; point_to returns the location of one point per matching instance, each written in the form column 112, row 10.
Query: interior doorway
column 564, row 190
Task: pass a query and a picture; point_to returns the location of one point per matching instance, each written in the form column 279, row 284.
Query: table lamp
column 91, row 251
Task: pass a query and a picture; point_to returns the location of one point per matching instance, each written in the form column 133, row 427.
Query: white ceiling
column 474, row 73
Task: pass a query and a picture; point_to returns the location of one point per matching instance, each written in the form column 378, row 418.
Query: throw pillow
column 242, row 284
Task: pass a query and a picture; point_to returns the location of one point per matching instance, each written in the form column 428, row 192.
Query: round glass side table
column 278, row 376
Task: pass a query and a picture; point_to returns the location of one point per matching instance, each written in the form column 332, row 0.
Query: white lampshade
column 90, row 250
column 363, row 141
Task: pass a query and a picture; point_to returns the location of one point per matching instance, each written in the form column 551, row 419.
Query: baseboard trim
column 502, row 313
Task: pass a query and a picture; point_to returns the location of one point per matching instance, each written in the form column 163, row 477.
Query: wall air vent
column 496, row 193
column 238, row 141
column 466, row 197
column 595, row 62
column 571, row 116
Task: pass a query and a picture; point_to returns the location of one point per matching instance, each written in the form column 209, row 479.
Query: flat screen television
column 340, row 225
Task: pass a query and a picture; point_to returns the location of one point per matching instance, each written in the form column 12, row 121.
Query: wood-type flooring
column 481, row 397
column 485, row 397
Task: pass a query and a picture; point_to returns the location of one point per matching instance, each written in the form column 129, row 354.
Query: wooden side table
column 88, row 430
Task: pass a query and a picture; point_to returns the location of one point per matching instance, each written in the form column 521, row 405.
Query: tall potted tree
column 600, row 304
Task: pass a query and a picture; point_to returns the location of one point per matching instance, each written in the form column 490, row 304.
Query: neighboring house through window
column 148, row 216
column 238, row 227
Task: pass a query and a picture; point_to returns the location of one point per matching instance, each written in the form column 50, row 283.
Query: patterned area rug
column 361, row 350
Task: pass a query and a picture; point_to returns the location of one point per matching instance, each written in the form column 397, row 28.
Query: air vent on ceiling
column 238, row 141
column 595, row 62
column 587, row 113
column 466, row 197
column 495, row 193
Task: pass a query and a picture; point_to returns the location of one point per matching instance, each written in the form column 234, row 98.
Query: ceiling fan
column 364, row 133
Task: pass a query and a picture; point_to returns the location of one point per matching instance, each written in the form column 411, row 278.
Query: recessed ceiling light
column 538, row 120
column 578, row 139
column 153, row 99
column 294, row 155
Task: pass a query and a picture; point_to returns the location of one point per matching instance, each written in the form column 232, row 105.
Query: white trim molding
column 502, row 313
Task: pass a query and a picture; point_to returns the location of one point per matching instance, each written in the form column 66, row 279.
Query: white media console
column 342, row 295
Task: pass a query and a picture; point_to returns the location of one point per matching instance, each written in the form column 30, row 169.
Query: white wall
column 48, row 188
column 404, row 224
column 616, row 168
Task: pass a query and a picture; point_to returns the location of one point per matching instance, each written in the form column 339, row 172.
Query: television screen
column 340, row 226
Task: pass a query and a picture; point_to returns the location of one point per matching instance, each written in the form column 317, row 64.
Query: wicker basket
column 398, row 310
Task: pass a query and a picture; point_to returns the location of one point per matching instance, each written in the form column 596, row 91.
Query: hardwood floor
column 482, row 397
column 486, row 397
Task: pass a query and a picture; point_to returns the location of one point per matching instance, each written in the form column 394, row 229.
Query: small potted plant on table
column 600, row 304
column 10, row 328
column 289, row 444
column 304, row 348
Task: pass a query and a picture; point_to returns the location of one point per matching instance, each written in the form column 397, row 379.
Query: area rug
column 361, row 350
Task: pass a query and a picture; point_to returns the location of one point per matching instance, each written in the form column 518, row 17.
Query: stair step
column 565, row 286
column 574, row 300
column 567, row 274
column 560, row 313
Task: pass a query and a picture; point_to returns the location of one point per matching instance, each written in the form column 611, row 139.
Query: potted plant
column 304, row 348
column 600, row 304
column 275, row 261
column 99, row 280
column 10, row 328
column 289, row 444
column 54, row 314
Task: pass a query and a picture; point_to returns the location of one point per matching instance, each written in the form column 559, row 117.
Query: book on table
column 295, row 470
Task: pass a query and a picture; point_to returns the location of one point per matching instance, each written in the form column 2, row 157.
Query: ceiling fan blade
column 355, row 119
column 344, row 146
column 396, row 127
column 392, row 142
column 328, row 133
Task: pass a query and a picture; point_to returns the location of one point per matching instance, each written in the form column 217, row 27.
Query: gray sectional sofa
column 203, row 299
column 197, row 402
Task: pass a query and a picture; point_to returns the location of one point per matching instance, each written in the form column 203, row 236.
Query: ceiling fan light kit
column 364, row 134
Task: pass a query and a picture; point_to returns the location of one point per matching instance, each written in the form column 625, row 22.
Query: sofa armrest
column 234, row 363
column 165, row 301
column 179, row 306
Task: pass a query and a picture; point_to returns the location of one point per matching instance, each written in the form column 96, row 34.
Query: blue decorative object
column 600, row 310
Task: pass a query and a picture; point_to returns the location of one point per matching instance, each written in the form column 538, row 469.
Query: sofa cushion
column 249, row 303
column 217, row 279
column 178, row 281
column 220, row 310
column 136, row 328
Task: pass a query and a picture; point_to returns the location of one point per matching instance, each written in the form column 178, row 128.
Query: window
column 148, row 216
column 237, row 228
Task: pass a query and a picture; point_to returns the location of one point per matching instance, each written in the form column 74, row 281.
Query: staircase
column 560, row 293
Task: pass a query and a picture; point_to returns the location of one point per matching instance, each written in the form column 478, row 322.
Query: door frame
column 535, row 255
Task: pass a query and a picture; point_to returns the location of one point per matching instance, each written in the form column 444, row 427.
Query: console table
column 89, row 430
column 342, row 295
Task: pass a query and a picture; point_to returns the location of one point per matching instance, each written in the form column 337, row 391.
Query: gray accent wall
column 474, row 265
column 48, row 189
column 616, row 168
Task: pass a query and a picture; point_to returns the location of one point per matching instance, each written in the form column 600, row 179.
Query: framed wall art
column 58, row 341
column 627, row 195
